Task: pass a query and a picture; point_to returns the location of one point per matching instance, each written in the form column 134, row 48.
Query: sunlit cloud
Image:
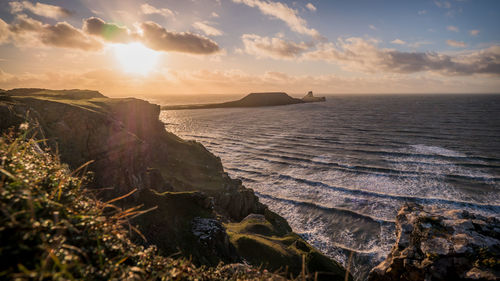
column 363, row 55
column 26, row 31
column 40, row 9
column 474, row 32
column 276, row 48
column 108, row 31
column 454, row 43
column 4, row 32
column 452, row 28
column 311, row 7
column 283, row 12
column 158, row 38
column 207, row 28
column 398, row 42
column 173, row 81
column 443, row 4
column 30, row 32
column 151, row 10
column 214, row 15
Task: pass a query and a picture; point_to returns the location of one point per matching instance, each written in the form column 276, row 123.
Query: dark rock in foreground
column 252, row 100
column 437, row 244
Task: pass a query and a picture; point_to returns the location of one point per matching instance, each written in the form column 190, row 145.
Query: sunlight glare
column 136, row 58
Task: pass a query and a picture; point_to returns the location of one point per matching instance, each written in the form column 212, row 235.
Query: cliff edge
column 198, row 207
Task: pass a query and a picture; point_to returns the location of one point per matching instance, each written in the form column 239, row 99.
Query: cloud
column 452, row 28
column 158, row 38
column 419, row 43
column 443, row 4
column 398, row 42
column 214, row 15
column 153, row 36
column 372, row 27
column 232, row 81
column 474, row 32
column 40, row 9
column 275, row 48
column 107, row 31
column 150, row 10
column 4, row 32
column 207, row 28
column 283, row 12
column 311, row 7
column 30, row 32
column 422, row 12
column 454, row 43
column 26, row 31
column 363, row 55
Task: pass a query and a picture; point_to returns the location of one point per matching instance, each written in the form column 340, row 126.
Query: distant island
column 253, row 100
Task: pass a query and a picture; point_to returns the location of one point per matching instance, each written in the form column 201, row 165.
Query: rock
column 437, row 244
column 184, row 222
column 250, row 100
column 155, row 180
column 311, row 98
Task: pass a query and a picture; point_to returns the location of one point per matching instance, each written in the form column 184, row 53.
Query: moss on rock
column 260, row 243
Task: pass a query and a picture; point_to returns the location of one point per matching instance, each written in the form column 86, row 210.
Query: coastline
column 132, row 149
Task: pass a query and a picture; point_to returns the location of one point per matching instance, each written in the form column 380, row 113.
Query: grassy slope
column 262, row 243
column 51, row 228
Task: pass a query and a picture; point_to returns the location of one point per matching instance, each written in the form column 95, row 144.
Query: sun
column 136, row 58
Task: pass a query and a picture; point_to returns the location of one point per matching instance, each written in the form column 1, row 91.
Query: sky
column 163, row 47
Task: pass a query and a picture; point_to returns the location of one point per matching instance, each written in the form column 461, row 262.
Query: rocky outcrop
column 250, row 100
column 311, row 98
column 181, row 181
column 437, row 244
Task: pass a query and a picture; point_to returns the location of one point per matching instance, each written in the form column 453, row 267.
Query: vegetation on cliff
column 51, row 227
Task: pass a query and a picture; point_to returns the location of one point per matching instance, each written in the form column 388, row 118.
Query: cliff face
column 436, row 244
column 131, row 149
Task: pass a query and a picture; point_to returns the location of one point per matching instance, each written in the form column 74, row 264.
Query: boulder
column 438, row 244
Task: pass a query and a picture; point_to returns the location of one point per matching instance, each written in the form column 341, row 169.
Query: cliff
column 250, row 100
column 437, row 244
column 53, row 228
column 198, row 206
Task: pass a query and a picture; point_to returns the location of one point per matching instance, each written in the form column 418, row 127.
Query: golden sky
column 139, row 47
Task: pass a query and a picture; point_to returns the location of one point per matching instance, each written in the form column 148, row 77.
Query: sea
column 340, row 170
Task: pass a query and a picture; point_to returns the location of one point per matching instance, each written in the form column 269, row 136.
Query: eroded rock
column 436, row 244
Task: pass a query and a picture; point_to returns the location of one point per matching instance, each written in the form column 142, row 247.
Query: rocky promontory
column 438, row 244
column 253, row 100
column 311, row 98
column 197, row 210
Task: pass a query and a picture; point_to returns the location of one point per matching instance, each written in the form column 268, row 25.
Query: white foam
column 436, row 150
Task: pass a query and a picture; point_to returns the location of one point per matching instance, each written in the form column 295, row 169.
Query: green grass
column 263, row 244
column 51, row 228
